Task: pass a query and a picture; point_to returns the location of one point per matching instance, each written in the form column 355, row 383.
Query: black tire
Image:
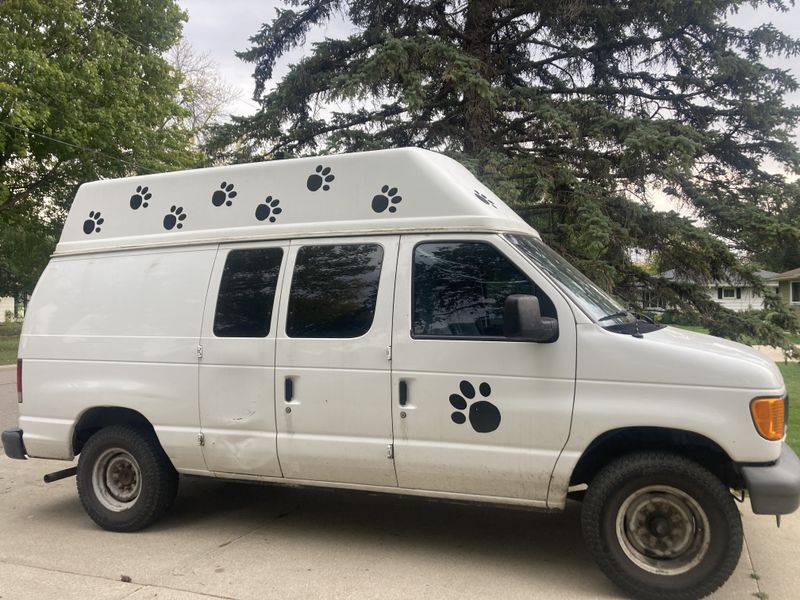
column 125, row 479
column 662, row 527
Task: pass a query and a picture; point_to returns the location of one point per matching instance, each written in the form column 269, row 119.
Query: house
column 789, row 287
column 735, row 294
column 6, row 304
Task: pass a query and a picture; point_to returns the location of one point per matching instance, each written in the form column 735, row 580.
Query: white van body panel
column 338, row 425
column 435, row 194
column 116, row 329
column 670, row 378
column 237, row 387
column 532, row 385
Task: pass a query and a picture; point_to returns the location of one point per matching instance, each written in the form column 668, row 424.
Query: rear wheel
column 662, row 527
column 125, row 479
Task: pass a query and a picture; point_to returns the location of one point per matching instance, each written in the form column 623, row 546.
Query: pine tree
column 577, row 112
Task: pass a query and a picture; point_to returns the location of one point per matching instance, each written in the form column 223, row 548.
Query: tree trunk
column 477, row 108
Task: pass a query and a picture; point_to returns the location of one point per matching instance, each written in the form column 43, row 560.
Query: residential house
column 789, row 287
column 6, row 304
column 735, row 294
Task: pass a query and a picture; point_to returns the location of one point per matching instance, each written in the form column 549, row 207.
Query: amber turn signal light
column 768, row 417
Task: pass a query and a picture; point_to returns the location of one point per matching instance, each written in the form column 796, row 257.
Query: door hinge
column 388, row 353
column 201, row 439
column 199, row 351
column 389, row 450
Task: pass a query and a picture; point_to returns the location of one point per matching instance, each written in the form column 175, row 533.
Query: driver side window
column 460, row 288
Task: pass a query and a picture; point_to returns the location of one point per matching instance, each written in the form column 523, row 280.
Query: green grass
column 791, row 376
column 9, row 340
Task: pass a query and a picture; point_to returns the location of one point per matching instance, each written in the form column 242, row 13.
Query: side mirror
column 522, row 320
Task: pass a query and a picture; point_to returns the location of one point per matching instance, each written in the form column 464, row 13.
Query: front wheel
column 662, row 527
column 125, row 479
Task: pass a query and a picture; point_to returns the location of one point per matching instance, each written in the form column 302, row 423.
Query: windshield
column 591, row 299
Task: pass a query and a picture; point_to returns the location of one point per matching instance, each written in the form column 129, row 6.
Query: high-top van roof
column 385, row 191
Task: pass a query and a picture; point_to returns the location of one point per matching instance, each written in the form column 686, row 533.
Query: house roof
column 793, row 274
column 734, row 280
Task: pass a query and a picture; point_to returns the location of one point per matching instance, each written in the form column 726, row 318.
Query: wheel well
column 98, row 417
column 613, row 444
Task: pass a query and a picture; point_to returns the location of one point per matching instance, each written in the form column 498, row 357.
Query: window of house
column 334, row 291
column 728, row 293
column 795, row 292
column 247, row 292
column 460, row 289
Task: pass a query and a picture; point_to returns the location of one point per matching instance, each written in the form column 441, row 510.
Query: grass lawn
column 791, row 375
column 9, row 340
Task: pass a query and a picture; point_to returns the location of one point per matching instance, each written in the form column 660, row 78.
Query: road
column 231, row 540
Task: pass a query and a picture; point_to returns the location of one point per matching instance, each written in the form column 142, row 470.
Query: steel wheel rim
column 663, row 530
column 116, row 479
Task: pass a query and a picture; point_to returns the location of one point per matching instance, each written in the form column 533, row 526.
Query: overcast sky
column 220, row 28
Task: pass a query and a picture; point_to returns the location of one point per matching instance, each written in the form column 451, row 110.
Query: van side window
column 247, row 292
column 460, row 289
column 334, row 291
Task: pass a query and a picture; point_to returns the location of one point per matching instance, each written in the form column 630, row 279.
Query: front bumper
column 775, row 489
column 13, row 444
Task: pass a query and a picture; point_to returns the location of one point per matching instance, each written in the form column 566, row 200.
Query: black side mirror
column 522, row 320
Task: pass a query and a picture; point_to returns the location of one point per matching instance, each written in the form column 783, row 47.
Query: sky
column 220, row 28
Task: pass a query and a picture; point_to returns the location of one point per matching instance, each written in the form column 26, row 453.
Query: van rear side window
column 334, row 291
column 247, row 292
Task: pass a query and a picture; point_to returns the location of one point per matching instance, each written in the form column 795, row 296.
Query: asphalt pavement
column 235, row 540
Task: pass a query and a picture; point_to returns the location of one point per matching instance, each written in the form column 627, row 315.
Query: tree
column 85, row 94
column 576, row 112
column 203, row 92
column 25, row 247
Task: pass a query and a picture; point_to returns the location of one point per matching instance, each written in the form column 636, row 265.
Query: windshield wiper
column 621, row 313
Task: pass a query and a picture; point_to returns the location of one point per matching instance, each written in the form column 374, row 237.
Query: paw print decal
column 483, row 416
column 320, row 179
column 387, row 196
column 140, row 198
column 174, row 218
column 268, row 210
column 484, row 199
column 92, row 224
column 223, row 195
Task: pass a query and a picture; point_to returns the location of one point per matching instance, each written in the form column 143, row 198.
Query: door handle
column 403, row 393
column 288, row 389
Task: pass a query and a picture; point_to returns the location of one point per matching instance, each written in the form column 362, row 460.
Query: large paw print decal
column 268, row 210
column 387, row 196
column 174, row 218
column 92, row 224
column 320, row 179
column 483, row 416
column 223, row 195
column 140, row 198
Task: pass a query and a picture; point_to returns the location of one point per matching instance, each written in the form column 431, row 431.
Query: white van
column 382, row 321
